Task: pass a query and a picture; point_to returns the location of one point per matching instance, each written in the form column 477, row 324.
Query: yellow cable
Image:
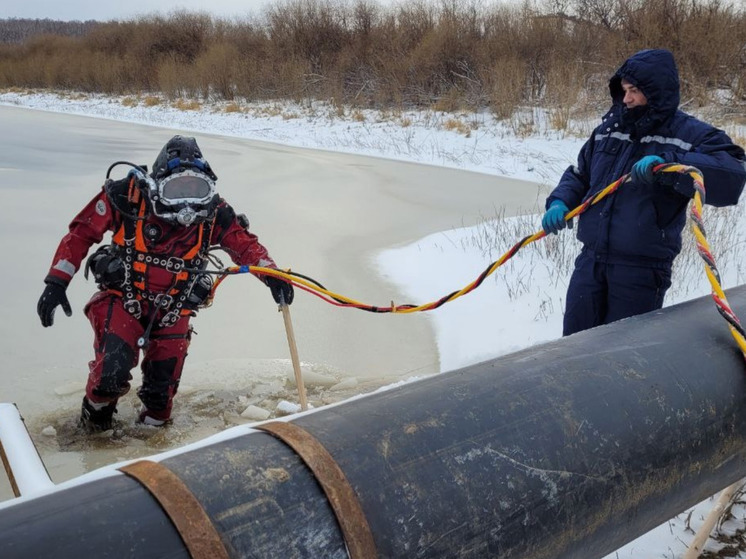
column 701, row 239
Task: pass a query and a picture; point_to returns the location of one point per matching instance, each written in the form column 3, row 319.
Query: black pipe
column 566, row 450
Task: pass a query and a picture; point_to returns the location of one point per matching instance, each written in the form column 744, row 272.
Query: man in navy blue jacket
column 631, row 237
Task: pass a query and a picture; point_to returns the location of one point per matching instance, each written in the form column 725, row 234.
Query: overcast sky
column 103, row 10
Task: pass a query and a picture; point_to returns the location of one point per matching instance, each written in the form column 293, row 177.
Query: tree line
column 18, row 30
column 450, row 54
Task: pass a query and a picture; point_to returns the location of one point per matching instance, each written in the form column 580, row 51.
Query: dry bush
column 249, row 83
column 174, row 81
column 186, row 105
column 452, row 55
column 170, row 79
column 284, row 80
column 216, row 70
column 312, row 29
column 686, row 27
column 112, row 38
column 95, row 72
column 183, row 35
column 563, row 89
column 455, row 125
column 507, row 81
column 41, row 62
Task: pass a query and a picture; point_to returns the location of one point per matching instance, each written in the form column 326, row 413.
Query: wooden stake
column 294, row 355
column 9, row 472
column 700, row 539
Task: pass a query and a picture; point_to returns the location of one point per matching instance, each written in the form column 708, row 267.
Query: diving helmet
column 182, row 188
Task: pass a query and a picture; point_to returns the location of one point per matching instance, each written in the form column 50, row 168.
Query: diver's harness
column 122, row 265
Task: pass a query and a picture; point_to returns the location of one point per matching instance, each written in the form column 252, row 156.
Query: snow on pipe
column 25, row 470
column 566, row 450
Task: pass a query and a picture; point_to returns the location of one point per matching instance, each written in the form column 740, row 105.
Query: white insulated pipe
column 25, row 469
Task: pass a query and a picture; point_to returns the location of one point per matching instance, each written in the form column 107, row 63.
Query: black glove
column 54, row 295
column 282, row 291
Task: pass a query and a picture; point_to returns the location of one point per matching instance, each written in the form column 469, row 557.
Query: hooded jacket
column 641, row 224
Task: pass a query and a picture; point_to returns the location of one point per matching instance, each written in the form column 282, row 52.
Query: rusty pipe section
column 566, row 450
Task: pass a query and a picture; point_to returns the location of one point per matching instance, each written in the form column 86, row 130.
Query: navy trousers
column 601, row 292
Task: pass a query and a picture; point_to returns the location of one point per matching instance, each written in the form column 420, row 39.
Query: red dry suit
column 153, row 251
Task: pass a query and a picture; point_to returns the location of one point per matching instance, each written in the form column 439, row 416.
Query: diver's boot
column 97, row 417
column 148, row 417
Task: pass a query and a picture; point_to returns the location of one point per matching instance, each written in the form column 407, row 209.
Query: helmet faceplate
column 182, row 188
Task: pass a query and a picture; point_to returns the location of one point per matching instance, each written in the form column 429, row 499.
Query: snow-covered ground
column 527, row 293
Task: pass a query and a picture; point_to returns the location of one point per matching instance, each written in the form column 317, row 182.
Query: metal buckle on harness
column 133, row 307
column 170, row 318
column 163, row 300
column 174, row 264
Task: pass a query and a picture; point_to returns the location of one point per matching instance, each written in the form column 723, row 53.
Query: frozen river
column 323, row 214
